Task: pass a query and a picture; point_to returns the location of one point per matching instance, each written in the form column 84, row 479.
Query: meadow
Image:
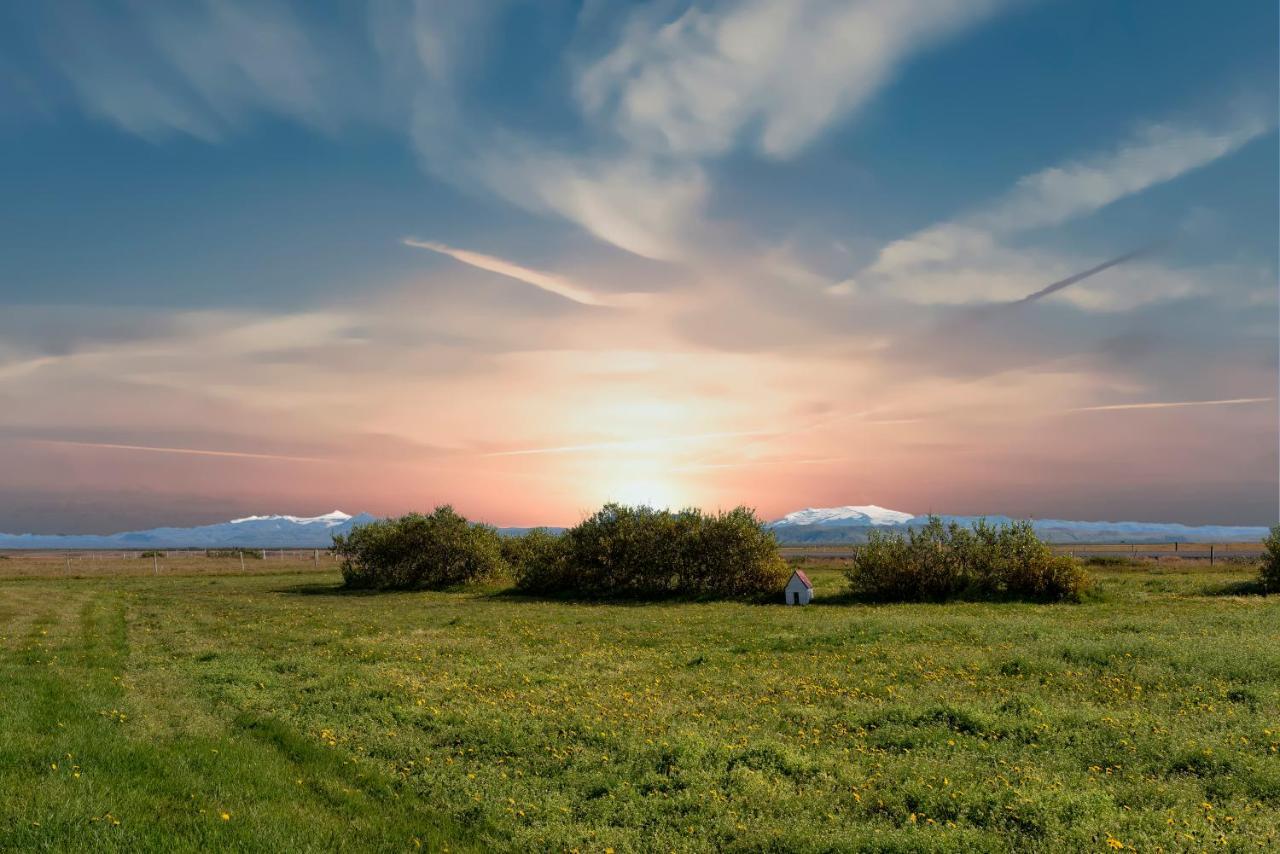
column 205, row 708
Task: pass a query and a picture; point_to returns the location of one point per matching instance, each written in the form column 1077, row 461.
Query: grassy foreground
column 274, row 712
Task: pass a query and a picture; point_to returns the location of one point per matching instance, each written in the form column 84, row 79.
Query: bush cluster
column 619, row 552
column 950, row 561
column 255, row 554
column 642, row 553
column 1270, row 576
column 433, row 551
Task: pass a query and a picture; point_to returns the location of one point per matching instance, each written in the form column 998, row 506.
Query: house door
column 795, row 597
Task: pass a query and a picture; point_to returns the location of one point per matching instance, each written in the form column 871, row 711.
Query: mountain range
column 815, row 525
column 821, row 525
column 297, row 532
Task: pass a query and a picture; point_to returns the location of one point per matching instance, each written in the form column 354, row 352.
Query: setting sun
column 652, row 492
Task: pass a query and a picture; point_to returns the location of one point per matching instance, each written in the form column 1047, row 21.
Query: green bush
column 539, row 561
column 950, row 561
column 254, row 554
column 442, row 549
column 152, row 553
column 642, row 553
column 1109, row 561
column 1270, row 576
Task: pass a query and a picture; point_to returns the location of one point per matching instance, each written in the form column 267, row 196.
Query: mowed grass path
column 278, row 713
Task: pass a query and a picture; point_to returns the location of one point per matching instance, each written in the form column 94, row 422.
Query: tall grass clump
column 643, row 553
column 950, row 561
column 432, row 551
column 1270, row 575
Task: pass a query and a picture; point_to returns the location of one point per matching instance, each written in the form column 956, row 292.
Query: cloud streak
column 195, row 452
column 548, row 282
column 1081, row 276
column 1155, row 154
column 1116, row 407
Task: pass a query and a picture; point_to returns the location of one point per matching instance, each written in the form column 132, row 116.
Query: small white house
column 799, row 589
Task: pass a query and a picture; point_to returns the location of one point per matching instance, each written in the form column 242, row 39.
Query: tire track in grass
column 77, row 773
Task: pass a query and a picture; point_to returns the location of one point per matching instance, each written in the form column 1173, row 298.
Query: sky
column 528, row 257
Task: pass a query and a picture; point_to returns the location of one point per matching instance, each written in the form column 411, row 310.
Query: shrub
column 1109, row 561
column 642, row 553
column 152, row 553
column 1270, row 576
column 255, row 554
column 539, row 561
column 439, row 550
column 946, row 561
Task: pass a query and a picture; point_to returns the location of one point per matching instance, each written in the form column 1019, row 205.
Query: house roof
column 804, row 579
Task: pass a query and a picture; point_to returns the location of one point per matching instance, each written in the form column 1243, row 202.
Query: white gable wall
column 796, row 587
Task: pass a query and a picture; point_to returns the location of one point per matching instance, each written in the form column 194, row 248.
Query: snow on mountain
column 868, row 514
column 337, row 517
column 300, row 532
column 850, row 524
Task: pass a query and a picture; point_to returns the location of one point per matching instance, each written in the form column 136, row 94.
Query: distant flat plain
column 82, row 563
column 180, row 704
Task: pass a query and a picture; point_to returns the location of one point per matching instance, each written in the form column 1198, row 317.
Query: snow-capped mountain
column 851, row 524
column 331, row 519
column 301, row 532
column 867, row 514
column 811, row 525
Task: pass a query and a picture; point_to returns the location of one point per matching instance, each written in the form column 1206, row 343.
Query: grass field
column 270, row 711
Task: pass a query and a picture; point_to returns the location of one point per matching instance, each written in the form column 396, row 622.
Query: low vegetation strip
column 92, row 761
column 619, row 552
column 321, row 719
column 642, row 553
column 951, row 561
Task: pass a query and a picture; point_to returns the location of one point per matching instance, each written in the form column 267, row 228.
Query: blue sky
column 657, row 233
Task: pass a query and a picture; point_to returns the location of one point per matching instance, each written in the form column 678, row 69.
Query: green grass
column 136, row 712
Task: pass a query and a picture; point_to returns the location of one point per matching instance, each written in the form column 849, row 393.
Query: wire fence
column 136, row 562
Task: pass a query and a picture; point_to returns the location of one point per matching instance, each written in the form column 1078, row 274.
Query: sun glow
column 647, row 491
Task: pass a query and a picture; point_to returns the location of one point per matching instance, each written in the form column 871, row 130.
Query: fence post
column 155, row 564
column 1210, row 554
column 242, row 560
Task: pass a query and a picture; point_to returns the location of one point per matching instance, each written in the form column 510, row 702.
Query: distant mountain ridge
column 282, row 532
column 815, row 525
column 821, row 525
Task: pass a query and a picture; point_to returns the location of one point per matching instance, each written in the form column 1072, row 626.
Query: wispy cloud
column 778, row 72
column 1235, row 401
column 195, row 452
column 970, row 259
column 548, row 282
column 665, row 98
column 199, row 69
column 1155, row 154
column 649, row 208
column 658, row 98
